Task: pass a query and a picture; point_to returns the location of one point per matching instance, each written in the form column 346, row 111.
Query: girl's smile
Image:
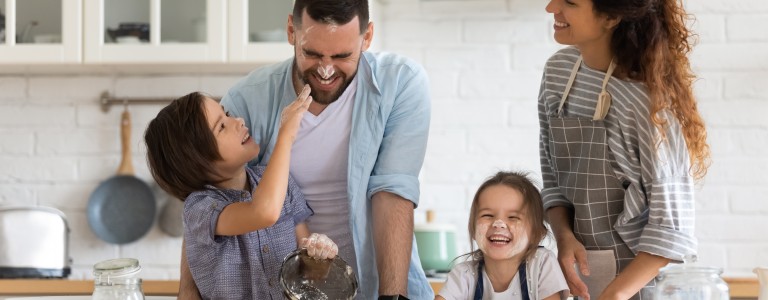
column 499, row 235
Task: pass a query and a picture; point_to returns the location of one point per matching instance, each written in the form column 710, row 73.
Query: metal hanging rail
column 107, row 101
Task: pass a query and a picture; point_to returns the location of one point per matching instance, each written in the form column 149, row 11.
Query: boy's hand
column 320, row 246
column 294, row 112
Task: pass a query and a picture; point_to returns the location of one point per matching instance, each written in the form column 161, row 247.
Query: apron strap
column 521, row 274
column 479, row 285
column 523, row 282
column 568, row 86
column 604, row 100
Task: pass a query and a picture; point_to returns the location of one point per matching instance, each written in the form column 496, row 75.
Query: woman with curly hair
column 621, row 143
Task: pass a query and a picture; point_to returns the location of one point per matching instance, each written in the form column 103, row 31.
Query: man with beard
column 359, row 149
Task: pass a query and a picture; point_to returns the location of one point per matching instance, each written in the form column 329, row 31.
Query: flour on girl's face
column 516, row 233
column 480, row 239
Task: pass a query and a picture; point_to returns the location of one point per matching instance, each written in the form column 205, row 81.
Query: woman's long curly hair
column 651, row 44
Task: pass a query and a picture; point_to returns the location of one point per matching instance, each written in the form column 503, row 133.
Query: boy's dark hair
column 332, row 11
column 532, row 205
column 181, row 147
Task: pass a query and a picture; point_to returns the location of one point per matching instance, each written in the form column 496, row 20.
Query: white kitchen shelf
column 98, row 51
column 241, row 49
column 227, row 38
column 228, row 43
column 69, row 50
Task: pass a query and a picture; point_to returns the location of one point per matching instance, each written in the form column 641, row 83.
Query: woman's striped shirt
column 658, row 216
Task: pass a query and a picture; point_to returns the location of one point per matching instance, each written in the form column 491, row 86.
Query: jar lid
column 689, row 268
column 690, row 265
column 119, row 267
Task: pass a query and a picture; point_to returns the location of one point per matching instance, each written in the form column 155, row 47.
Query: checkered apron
column 582, row 163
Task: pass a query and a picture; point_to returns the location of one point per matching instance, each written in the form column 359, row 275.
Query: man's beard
column 324, row 97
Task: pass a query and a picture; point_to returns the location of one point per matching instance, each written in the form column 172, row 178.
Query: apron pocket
column 602, row 269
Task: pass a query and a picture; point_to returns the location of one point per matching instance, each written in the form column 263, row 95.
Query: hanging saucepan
column 122, row 208
column 304, row 277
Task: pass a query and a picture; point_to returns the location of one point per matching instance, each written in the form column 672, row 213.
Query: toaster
column 34, row 243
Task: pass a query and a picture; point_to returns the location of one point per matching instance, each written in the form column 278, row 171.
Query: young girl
column 621, row 143
column 506, row 221
column 239, row 223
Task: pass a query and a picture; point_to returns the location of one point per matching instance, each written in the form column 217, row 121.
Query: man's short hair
column 332, row 12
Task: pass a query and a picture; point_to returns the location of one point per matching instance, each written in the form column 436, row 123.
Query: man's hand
column 393, row 239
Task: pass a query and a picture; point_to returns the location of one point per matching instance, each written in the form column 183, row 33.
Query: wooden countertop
column 743, row 287
column 739, row 287
column 52, row 287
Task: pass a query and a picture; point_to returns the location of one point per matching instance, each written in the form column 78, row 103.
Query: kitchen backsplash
column 484, row 59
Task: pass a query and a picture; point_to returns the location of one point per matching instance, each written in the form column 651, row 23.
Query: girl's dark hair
column 651, row 44
column 532, row 205
column 181, row 147
column 332, row 11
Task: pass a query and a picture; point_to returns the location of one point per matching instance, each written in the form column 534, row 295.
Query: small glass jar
column 691, row 282
column 115, row 279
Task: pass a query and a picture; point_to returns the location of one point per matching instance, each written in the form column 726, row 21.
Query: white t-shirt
column 544, row 279
column 319, row 165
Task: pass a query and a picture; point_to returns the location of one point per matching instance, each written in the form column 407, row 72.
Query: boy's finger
column 305, row 91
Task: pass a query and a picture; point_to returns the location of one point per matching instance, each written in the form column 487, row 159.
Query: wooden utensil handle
column 126, row 166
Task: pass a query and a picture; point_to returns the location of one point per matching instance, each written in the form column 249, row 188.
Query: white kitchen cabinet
column 155, row 31
column 257, row 30
column 40, row 31
column 188, row 31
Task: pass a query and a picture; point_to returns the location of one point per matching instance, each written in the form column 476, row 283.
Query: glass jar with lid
column 116, row 279
column 690, row 281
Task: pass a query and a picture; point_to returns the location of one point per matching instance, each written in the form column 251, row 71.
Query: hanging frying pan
column 122, row 208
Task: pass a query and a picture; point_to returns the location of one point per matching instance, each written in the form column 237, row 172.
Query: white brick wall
column 484, row 59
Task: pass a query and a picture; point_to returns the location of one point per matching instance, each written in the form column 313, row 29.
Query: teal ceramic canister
column 436, row 245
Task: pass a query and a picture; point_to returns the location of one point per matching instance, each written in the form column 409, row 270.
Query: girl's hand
column 570, row 252
column 320, row 246
column 294, row 112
